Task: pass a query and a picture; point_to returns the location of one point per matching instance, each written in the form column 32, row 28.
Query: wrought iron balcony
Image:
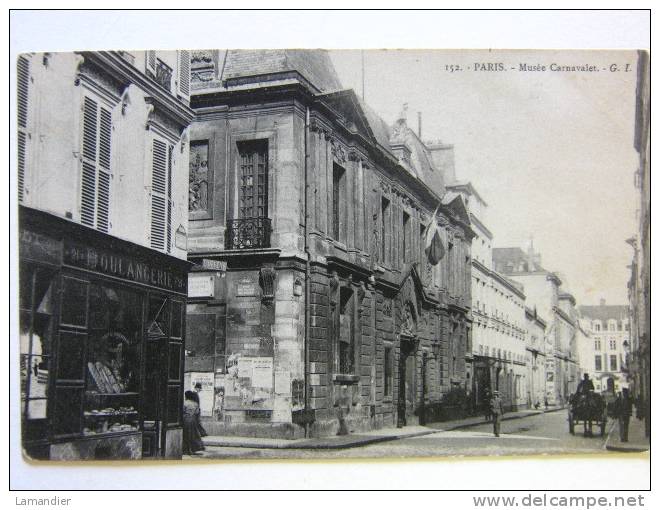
column 248, row 233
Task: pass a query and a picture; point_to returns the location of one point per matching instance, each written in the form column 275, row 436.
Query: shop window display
column 113, row 361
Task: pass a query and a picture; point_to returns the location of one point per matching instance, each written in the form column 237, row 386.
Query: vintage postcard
column 315, row 254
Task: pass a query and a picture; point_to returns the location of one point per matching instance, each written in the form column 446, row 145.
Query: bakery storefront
column 101, row 334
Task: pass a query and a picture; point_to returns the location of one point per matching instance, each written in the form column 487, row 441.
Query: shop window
column 74, row 302
column 388, row 371
column 113, row 360
column 36, row 333
column 96, row 157
column 346, row 340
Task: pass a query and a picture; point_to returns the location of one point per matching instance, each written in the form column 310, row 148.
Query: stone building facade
column 102, row 192
column 607, row 351
column 498, row 357
column 535, row 345
column 542, row 291
column 312, row 306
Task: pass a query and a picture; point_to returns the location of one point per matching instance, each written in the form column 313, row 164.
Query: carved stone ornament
column 198, row 177
column 334, row 286
column 267, row 282
column 338, row 151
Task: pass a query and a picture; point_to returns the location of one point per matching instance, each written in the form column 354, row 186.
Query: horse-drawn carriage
column 588, row 408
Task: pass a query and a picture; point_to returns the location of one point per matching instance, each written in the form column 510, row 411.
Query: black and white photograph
column 230, row 254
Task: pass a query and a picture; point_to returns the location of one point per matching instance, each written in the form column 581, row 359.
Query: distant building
column 312, row 306
column 103, row 193
column 609, row 331
column 498, row 354
column 535, row 328
column 542, row 291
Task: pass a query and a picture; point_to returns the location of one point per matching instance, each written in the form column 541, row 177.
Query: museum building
column 102, row 218
column 314, row 308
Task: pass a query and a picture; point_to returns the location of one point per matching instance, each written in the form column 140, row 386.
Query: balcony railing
column 248, row 233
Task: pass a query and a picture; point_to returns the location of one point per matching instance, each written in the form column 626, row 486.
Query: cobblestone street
column 544, row 434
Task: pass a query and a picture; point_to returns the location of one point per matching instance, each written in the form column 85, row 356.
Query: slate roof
column 314, row 65
column 604, row 312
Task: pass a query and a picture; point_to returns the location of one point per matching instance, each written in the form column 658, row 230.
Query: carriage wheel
column 571, row 425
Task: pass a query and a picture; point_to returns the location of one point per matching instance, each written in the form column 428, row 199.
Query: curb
column 621, row 448
column 505, row 418
column 320, row 446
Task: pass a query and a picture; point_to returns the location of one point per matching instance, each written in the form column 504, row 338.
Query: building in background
column 639, row 285
column 535, row 328
column 498, row 354
column 609, row 331
column 313, row 308
column 556, row 307
column 103, row 194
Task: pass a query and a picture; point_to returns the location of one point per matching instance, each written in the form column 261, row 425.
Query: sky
column 551, row 152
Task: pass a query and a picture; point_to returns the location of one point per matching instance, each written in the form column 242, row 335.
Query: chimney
column 419, row 125
column 602, row 302
column 442, row 156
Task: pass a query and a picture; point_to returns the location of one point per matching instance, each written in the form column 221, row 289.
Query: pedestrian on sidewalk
column 623, row 411
column 192, row 441
column 496, row 411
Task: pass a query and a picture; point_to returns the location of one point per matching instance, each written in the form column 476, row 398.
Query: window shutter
column 170, row 152
column 105, row 137
column 96, row 157
column 151, row 61
column 23, row 90
column 159, row 203
column 89, row 152
column 183, row 86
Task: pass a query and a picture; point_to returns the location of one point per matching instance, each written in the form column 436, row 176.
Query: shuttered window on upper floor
column 96, row 157
column 161, row 194
column 183, row 79
column 22, row 109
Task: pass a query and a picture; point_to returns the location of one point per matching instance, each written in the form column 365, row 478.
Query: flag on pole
column 433, row 246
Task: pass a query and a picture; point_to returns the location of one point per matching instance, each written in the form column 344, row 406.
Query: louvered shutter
column 23, row 94
column 151, row 62
column 96, row 157
column 159, row 201
column 183, row 82
column 168, row 226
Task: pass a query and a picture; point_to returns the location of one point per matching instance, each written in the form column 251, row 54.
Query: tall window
column 596, row 326
column 384, row 231
column 613, row 364
column 338, row 200
column 22, row 104
column 253, row 179
column 597, row 345
column 612, row 344
column 96, row 155
column 346, row 338
column 388, row 371
column 406, row 237
column 161, row 194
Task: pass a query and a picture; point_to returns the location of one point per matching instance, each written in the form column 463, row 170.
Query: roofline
column 481, row 226
column 470, row 187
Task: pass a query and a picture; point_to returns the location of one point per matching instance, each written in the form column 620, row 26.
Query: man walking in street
column 496, row 411
column 623, row 411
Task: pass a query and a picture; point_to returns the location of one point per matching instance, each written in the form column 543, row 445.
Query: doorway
column 406, row 397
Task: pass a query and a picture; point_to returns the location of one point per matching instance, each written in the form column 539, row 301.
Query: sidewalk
column 637, row 442
column 360, row 438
